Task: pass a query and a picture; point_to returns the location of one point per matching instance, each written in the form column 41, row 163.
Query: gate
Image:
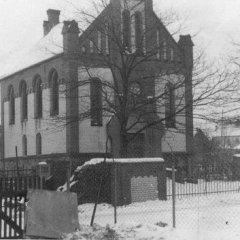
column 12, row 214
column 13, row 194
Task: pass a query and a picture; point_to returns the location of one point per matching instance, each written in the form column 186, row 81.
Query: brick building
column 51, row 105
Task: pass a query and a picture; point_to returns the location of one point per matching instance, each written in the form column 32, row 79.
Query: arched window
column 24, row 100
column 164, row 50
column 138, row 32
column 107, row 37
column 24, row 145
column 91, row 46
column 96, row 102
column 171, row 54
column 37, row 88
column 38, row 144
column 11, row 105
column 170, row 114
column 126, row 21
column 99, row 41
column 54, row 93
column 158, row 44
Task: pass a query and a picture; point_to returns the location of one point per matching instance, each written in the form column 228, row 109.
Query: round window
column 135, row 89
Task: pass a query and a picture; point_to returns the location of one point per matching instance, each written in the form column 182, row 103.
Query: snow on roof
column 48, row 47
column 96, row 161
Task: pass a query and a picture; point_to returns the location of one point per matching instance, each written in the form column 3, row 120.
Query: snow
column 96, row 161
column 214, row 217
column 42, row 163
column 236, row 155
column 49, row 46
column 237, row 147
column 64, row 187
column 170, row 169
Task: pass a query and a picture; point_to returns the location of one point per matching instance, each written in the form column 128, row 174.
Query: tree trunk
column 123, row 145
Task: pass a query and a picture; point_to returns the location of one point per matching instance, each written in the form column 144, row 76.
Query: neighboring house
column 227, row 136
column 40, row 100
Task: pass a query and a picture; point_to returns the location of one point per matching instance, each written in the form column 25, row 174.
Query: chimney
column 186, row 44
column 70, row 34
column 53, row 20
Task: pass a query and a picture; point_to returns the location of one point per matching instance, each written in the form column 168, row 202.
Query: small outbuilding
column 123, row 181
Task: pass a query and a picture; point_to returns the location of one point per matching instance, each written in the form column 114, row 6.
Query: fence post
column 115, row 192
column 17, row 164
column 68, row 176
column 173, row 193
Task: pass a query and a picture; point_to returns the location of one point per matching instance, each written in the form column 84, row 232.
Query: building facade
column 64, row 97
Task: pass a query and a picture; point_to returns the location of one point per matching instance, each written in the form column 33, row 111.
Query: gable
column 96, row 38
column 164, row 35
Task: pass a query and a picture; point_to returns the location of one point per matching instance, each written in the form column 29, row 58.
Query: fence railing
column 11, row 184
column 17, row 173
column 202, row 187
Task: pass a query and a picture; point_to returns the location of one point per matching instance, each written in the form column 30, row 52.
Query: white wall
column 53, row 137
column 174, row 138
column 91, row 138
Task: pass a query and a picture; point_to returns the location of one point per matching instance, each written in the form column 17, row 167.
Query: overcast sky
column 215, row 21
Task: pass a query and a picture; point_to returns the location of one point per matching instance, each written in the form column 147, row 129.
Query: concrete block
column 51, row 214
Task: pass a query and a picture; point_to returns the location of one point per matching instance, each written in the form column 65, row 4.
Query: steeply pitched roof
column 49, row 46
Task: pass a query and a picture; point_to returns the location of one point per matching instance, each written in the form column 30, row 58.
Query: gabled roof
column 48, row 47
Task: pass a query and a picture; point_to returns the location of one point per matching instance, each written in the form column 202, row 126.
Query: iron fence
column 17, row 173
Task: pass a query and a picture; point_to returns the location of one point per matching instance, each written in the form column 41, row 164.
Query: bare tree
column 148, row 75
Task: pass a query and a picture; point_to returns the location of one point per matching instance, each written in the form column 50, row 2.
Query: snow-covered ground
column 209, row 217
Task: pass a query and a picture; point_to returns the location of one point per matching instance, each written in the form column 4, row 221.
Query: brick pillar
column 186, row 44
column 71, row 47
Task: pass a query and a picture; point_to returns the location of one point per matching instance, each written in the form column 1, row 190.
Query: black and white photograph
column 120, row 119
